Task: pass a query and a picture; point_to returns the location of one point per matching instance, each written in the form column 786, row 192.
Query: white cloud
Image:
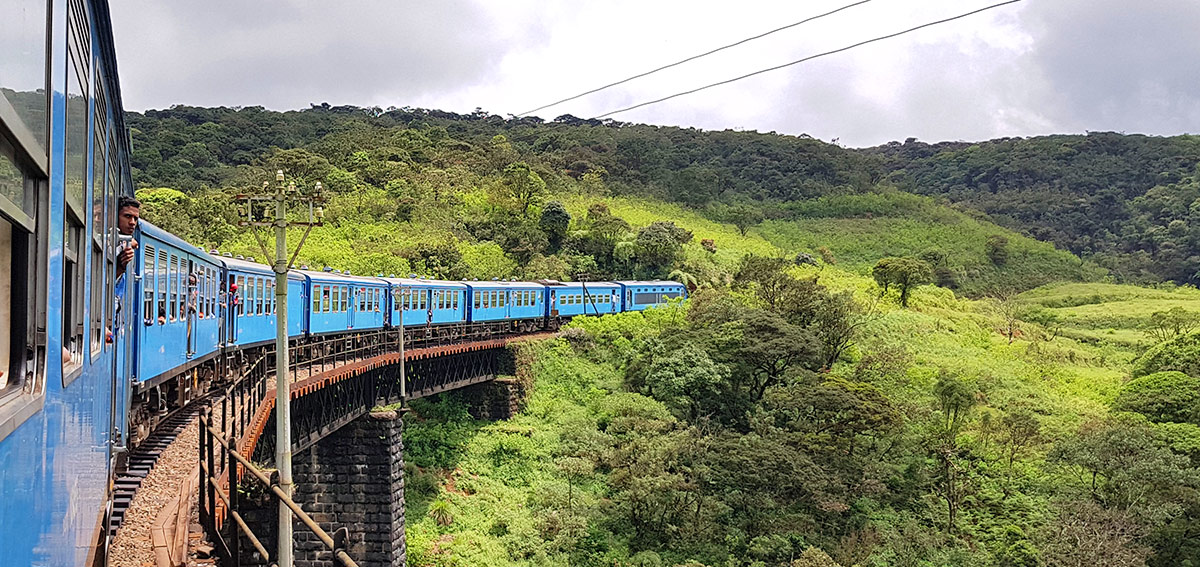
column 1023, row 69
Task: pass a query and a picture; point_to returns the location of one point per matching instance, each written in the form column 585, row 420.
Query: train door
column 192, row 292
column 554, row 304
column 354, row 303
column 427, row 297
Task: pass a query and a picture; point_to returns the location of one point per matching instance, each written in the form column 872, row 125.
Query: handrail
column 210, row 438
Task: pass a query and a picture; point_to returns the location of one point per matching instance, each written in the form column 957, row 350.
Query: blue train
column 97, row 347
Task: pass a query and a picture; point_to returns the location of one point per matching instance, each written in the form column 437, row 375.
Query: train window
column 455, row 303
column 214, row 291
column 246, row 289
column 476, row 301
column 256, row 292
column 148, row 284
column 316, row 298
column 423, row 300
column 161, row 307
column 174, row 311
column 240, row 296
column 23, row 69
column 503, row 298
column 22, row 257
column 335, row 297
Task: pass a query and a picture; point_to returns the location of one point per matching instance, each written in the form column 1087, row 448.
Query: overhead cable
column 694, row 57
column 809, row 58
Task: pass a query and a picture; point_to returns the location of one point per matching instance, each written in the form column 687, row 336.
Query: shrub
column 1162, row 397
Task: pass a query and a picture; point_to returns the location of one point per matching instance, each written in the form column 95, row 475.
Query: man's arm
column 125, row 255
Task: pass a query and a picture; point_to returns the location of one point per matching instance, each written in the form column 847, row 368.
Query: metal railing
column 221, row 485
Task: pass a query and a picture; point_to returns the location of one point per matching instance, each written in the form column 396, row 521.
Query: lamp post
column 283, row 197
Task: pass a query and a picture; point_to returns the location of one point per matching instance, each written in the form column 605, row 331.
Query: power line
column 809, row 58
column 694, row 57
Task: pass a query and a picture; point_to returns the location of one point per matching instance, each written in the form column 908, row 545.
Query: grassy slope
column 499, row 485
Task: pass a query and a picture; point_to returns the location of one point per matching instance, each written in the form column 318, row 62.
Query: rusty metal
column 218, row 485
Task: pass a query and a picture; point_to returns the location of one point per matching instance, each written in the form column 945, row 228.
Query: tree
column 1085, row 534
column 1181, row 353
column 687, row 380
column 955, row 398
column 837, row 323
column 905, row 273
column 525, row 187
column 660, row 245
column 555, row 222
column 814, row 557
column 1162, row 397
column 742, row 215
column 1174, row 322
column 768, row 275
column 996, row 249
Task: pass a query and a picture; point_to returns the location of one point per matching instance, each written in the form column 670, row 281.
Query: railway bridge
column 347, row 398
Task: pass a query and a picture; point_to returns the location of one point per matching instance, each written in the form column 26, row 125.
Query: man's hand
column 126, row 256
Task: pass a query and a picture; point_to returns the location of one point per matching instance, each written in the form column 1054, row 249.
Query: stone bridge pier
column 354, row 478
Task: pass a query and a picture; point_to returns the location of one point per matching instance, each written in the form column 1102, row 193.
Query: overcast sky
column 1036, row 67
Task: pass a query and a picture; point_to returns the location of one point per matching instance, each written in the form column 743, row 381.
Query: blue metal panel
column 506, row 301
column 642, row 295
column 54, row 466
column 298, row 301
column 187, row 317
column 251, row 315
column 575, row 298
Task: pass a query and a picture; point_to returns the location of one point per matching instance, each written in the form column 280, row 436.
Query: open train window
column 23, row 258
column 163, row 281
column 148, row 285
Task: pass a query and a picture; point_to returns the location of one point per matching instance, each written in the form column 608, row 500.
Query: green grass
column 1110, row 313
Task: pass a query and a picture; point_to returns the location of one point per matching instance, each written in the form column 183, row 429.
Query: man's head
column 129, row 210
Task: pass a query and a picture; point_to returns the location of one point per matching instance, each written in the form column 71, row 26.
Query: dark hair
column 128, row 202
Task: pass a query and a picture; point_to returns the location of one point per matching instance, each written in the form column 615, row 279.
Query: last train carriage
column 91, row 359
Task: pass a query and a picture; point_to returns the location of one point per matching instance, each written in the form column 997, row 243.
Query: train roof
column 651, row 282
column 595, row 285
column 243, row 265
column 505, row 284
column 415, row 282
column 164, row 236
column 324, row 277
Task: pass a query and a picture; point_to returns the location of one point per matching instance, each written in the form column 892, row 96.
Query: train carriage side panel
column 250, row 319
column 642, row 295
column 175, row 304
column 297, row 315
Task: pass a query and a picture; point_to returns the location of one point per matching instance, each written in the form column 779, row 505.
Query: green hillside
column 607, row 465
column 793, row 412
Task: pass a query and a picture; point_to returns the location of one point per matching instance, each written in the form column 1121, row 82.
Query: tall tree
column 905, row 273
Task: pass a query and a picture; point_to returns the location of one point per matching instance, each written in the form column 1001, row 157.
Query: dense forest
column 877, row 365
column 1124, row 201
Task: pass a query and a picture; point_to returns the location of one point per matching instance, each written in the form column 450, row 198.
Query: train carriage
column 499, row 300
column 178, row 287
column 569, row 299
column 426, row 302
column 334, row 305
column 642, row 295
column 250, row 302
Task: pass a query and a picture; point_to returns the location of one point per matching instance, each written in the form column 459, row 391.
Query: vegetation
column 867, row 372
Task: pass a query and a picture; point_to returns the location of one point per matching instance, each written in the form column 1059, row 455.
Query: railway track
column 143, row 459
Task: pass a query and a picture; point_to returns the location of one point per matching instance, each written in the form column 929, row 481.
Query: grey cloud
column 286, row 54
column 1119, row 65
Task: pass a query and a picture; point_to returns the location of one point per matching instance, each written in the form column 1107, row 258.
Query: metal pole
column 283, row 414
column 403, row 384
